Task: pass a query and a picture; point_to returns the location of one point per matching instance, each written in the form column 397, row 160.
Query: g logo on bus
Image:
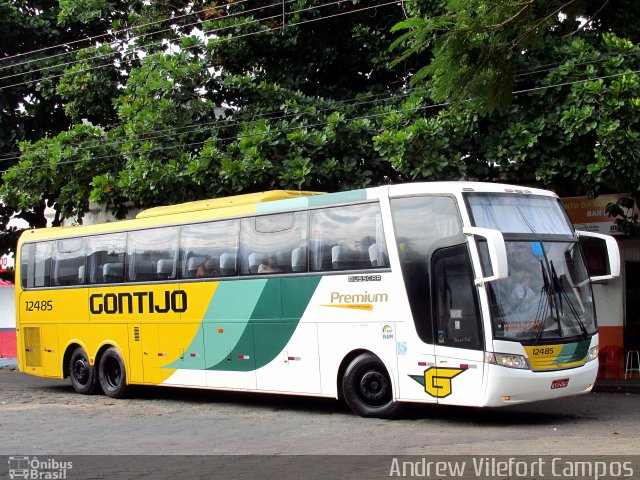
column 437, row 380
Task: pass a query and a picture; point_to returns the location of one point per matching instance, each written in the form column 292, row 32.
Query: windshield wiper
column 541, row 314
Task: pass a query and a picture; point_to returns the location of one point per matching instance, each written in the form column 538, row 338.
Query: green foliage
column 87, row 86
column 475, row 44
column 9, row 275
column 625, row 211
column 157, row 115
column 84, row 11
column 58, row 171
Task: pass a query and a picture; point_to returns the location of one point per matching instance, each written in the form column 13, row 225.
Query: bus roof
column 233, row 201
column 263, row 203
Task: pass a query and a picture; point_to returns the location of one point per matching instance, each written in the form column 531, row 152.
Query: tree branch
column 539, row 23
column 587, row 22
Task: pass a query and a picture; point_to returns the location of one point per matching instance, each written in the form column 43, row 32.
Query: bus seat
column 299, row 260
column 112, row 272
column 255, row 259
column 165, row 268
column 192, row 266
column 283, row 259
column 377, row 257
column 64, row 275
column 343, row 258
column 142, row 270
column 228, row 264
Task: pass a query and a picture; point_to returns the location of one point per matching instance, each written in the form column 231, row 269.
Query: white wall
column 7, row 307
column 610, row 296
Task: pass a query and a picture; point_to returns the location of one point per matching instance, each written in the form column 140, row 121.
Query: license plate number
column 559, row 383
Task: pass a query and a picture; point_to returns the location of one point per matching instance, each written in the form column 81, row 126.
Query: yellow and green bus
column 457, row 293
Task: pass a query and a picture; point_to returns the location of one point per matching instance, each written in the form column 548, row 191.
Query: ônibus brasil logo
column 33, row 468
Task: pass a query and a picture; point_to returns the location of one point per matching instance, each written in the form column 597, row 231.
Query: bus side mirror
column 613, row 253
column 497, row 252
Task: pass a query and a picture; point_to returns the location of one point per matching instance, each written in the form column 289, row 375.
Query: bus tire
column 366, row 387
column 84, row 377
column 112, row 373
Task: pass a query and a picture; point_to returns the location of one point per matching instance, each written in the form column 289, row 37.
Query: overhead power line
column 102, row 35
column 207, row 32
column 161, row 42
column 200, row 127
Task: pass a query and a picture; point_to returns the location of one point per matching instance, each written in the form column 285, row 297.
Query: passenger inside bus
column 207, row 269
column 269, row 266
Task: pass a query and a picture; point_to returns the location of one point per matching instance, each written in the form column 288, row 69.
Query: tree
column 194, row 100
column 206, row 108
column 554, row 84
column 31, row 108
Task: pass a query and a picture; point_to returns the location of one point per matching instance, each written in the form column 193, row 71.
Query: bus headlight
column 592, row 354
column 507, row 360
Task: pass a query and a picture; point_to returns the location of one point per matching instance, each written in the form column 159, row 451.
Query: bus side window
column 68, row 262
column 347, row 238
column 42, row 274
column 105, row 258
column 267, row 243
column 208, row 250
column 456, row 303
column 422, row 225
column 152, row 254
column 26, row 265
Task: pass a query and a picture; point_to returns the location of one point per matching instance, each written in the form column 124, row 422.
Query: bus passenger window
column 347, row 238
column 26, row 265
column 207, row 250
column 267, row 243
column 68, row 262
column 152, row 254
column 42, row 275
column 422, row 225
column 105, row 258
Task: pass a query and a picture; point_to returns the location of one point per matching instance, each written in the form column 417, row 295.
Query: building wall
column 97, row 214
column 7, row 322
column 610, row 301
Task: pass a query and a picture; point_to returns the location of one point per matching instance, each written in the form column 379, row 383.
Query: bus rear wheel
column 112, row 373
column 367, row 388
column 84, row 378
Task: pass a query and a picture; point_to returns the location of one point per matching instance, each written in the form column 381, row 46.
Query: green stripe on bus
column 312, row 201
column 271, row 325
column 572, row 352
column 249, row 322
column 337, row 198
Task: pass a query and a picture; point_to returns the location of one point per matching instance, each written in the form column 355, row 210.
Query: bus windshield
column 547, row 295
column 519, row 213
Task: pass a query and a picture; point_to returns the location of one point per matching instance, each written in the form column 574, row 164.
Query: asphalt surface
column 45, row 416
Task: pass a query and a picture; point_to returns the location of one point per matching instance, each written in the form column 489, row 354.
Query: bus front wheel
column 112, row 373
column 367, row 388
column 84, row 378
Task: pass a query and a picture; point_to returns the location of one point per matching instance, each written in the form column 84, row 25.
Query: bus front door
column 458, row 338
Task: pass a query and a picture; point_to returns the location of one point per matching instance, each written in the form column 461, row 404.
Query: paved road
column 46, row 416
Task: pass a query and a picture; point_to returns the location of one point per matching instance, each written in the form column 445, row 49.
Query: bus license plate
column 559, row 383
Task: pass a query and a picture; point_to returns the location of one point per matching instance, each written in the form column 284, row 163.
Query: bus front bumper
column 508, row 386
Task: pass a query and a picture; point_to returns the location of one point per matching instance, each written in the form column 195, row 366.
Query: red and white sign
column 5, row 262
